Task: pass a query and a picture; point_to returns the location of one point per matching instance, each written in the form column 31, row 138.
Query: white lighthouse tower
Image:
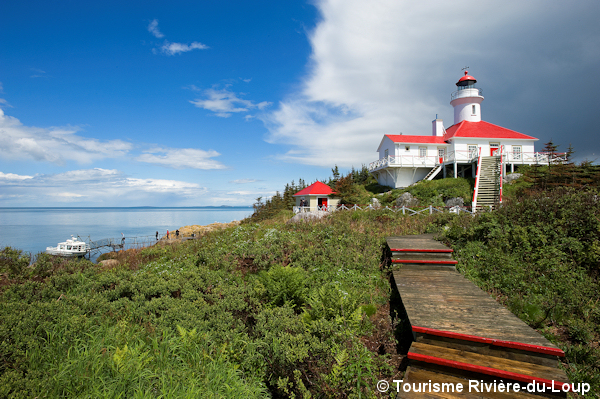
column 466, row 100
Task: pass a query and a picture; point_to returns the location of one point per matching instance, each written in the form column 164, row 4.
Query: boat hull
column 65, row 253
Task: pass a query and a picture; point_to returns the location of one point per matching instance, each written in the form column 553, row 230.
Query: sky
column 181, row 103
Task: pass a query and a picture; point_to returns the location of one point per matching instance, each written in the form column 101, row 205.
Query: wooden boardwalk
column 461, row 333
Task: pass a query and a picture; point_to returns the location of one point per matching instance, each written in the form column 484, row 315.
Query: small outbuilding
column 317, row 196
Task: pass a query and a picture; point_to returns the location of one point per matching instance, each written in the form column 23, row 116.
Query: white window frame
column 472, row 150
column 517, row 151
column 422, row 152
column 474, row 109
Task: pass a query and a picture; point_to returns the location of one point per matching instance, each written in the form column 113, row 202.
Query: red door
column 494, row 149
column 322, row 202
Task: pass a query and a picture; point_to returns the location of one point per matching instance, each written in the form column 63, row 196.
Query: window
column 407, row 147
column 387, row 152
column 517, row 152
column 474, row 110
column 422, row 152
column 472, row 148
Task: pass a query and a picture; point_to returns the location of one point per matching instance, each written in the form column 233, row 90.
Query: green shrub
column 539, row 254
column 285, row 284
column 435, row 192
column 13, row 262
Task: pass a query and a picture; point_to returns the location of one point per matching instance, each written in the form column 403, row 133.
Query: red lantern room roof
column 463, row 81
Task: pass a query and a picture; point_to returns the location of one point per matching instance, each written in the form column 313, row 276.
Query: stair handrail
column 476, row 190
column 501, row 175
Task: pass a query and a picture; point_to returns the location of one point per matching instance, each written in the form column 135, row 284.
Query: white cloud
column 169, row 48
column 3, row 102
column 55, row 145
column 182, row 158
column 67, row 195
column 388, row 66
column 244, row 181
column 164, row 186
column 224, row 102
column 94, row 186
column 11, row 177
column 38, row 73
column 153, row 28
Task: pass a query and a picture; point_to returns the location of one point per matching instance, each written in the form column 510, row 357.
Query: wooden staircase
column 412, row 253
column 445, row 357
column 433, row 172
column 463, row 336
column 487, row 183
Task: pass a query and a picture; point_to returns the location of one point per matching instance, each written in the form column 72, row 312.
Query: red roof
column 467, row 77
column 317, row 188
column 404, row 138
column 484, row 130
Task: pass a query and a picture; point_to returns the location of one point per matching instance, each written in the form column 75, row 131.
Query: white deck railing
column 415, row 161
column 405, row 210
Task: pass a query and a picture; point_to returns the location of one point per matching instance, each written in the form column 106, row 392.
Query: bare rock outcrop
column 407, row 199
column 456, row 201
column 109, row 263
column 511, row 177
column 307, row 216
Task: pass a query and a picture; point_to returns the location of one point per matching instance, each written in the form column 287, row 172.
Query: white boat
column 71, row 248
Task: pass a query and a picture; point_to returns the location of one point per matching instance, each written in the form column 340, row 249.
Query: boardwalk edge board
column 488, row 371
column 422, row 250
column 497, row 342
column 439, row 262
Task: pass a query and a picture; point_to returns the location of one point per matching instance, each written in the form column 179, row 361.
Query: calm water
column 34, row 229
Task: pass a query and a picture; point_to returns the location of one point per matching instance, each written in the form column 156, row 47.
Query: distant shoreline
column 129, row 207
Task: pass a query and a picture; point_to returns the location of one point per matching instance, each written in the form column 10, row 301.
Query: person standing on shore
column 167, row 234
column 157, row 236
column 177, row 233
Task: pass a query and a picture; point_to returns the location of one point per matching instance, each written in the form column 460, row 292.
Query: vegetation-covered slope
column 262, row 309
column 288, row 310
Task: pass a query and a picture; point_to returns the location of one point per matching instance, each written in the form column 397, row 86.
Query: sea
column 33, row 229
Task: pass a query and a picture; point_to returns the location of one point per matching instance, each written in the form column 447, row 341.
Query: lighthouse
column 466, row 100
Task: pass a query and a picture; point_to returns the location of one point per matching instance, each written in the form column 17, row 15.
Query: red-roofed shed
column 316, row 196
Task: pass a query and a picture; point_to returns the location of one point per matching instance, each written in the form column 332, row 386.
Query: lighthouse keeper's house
column 407, row 159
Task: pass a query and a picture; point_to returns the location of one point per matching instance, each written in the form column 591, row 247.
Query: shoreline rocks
column 187, row 231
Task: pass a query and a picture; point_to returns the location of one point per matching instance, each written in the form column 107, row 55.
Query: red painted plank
column 487, row 370
column 429, row 262
column 421, row 250
column 507, row 344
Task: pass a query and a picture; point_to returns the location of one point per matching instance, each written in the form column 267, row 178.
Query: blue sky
column 207, row 103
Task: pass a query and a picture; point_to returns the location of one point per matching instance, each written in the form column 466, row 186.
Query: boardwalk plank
column 416, row 375
column 514, row 366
